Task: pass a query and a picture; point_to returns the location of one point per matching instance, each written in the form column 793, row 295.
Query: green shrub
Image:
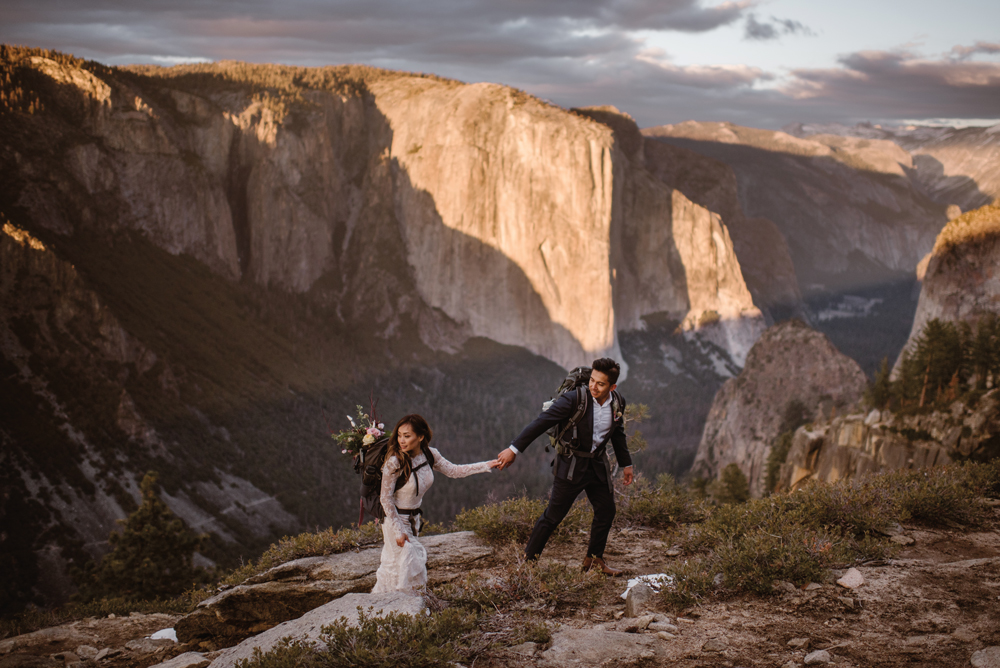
column 511, row 520
column 663, row 505
column 389, row 641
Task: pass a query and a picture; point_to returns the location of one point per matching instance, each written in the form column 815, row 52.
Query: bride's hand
column 401, row 540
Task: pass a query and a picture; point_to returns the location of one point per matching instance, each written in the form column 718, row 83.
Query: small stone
column 965, row 634
column 987, row 658
column 107, row 653
column 643, row 622
column 685, row 620
column 663, row 635
column 817, row 657
column 86, row 652
column 111, row 616
column 893, row 529
column 852, row 579
column 619, row 614
column 784, row 586
column 673, row 552
column 901, row 539
column 647, row 655
column 798, row 643
column 790, row 664
column 715, row 645
column 916, row 640
column 524, row 649
column 663, row 626
column 847, row 601
column 638, row 599
column 813, row 586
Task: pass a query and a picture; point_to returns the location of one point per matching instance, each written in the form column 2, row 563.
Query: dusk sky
column 761, row 63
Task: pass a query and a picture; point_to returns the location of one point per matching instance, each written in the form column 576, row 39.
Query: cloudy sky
column 762, row 63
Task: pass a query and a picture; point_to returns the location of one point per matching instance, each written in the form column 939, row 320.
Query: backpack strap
column 581, row 408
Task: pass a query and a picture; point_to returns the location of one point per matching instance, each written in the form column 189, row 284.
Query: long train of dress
column 405, row 568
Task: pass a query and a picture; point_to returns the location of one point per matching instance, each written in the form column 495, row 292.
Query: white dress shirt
column 603, row 419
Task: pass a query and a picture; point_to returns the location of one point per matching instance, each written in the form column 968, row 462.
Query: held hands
column 402, row 540
column 627, row 475
column 496, row 463
column 505, row 458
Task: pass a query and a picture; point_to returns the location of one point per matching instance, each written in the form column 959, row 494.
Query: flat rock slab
column 592, row 647
column 292, row 589
column 185, row 660
column 308, row 627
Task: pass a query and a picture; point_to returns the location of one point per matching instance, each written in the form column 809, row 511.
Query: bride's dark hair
column 422, row 430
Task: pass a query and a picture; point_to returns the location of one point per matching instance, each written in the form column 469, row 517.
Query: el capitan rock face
column 790, row 362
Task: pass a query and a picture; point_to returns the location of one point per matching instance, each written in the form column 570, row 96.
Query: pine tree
column 732, row 486
column 879, row 392
column 150, row 558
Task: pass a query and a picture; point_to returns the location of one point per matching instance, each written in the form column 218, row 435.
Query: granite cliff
column 201, row 262
column 791, row 363
column 961, row 280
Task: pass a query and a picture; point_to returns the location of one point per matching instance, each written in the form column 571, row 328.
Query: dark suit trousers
column 564, row 493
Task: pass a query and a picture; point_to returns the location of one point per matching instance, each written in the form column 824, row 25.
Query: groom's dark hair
column 609, row 368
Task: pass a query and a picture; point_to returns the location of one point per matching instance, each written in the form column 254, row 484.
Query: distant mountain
column 951, row 165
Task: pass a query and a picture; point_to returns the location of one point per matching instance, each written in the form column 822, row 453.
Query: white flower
column 381, row 426
column 343, row 452
column 368, row 439
column 352, row 421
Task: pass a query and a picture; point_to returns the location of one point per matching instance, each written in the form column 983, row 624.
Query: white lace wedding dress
column 405, row 568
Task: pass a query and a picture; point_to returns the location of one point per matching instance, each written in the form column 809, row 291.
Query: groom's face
column 600, row 386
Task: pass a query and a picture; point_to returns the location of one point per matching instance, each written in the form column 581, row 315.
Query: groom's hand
column 506, row 458
column 627, row 475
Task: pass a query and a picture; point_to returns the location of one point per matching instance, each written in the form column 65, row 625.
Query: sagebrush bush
column 797, row 536
column 316, row 544
column 511, row 520
column 516, row 581
column 390, row 641
column 663, row 505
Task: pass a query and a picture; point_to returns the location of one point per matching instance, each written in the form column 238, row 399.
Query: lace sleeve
column 390, row 473
column 445, row 467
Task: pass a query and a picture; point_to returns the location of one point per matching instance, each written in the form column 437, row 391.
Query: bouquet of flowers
column 365, row 430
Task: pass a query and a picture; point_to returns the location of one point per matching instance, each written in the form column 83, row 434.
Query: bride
column 404, row 559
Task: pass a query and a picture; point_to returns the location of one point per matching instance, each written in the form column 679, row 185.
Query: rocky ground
column 937, row 603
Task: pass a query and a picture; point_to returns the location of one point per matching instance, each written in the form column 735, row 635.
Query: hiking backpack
column 563, row 437
column 369, row 463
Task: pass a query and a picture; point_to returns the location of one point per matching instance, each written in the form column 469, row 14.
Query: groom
column 585, row 467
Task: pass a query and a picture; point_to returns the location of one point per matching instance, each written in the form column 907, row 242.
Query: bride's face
column 409, row 442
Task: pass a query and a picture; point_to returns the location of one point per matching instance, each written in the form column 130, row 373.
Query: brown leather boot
column 590, row 562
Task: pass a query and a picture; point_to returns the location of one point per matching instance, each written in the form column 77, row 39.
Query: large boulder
column 290, row 590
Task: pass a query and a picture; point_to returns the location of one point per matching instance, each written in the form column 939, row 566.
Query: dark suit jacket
column 562, row 409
